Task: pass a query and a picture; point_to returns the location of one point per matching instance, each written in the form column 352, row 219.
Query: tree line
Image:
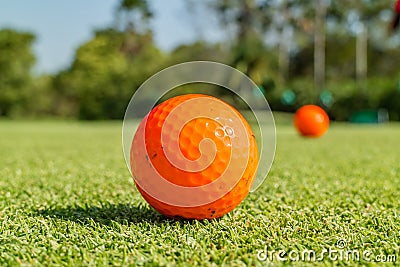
column 337, row 54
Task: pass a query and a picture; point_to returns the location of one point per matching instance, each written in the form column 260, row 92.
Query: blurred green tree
column 363, row 20
column 16, row 62
column 198, row 50
column 279, row 44
column 108, row 69
column 133, row 15
column 106, row 72
column 248, row 46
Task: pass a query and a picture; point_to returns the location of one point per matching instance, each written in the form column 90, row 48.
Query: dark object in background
column 395, row 22
column 370, row 116
column 396, row 18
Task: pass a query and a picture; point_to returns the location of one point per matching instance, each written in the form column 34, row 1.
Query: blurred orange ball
column 311, row 121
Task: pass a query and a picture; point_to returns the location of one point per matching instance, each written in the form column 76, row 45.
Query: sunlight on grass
column 67, row 198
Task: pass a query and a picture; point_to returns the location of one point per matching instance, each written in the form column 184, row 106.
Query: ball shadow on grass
column 107, row 214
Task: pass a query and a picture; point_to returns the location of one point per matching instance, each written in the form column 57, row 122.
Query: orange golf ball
column 194, row 156
column 311, row 121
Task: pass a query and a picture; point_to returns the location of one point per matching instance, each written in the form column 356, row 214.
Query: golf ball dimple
column 219, row 132
column 229, row 131
column 214, row 149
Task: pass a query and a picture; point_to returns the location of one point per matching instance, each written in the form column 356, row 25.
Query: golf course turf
column 67, row 198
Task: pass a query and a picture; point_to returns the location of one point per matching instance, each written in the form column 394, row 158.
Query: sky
column 62, row 26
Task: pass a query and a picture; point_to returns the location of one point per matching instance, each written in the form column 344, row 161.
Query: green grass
column 67, row 198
